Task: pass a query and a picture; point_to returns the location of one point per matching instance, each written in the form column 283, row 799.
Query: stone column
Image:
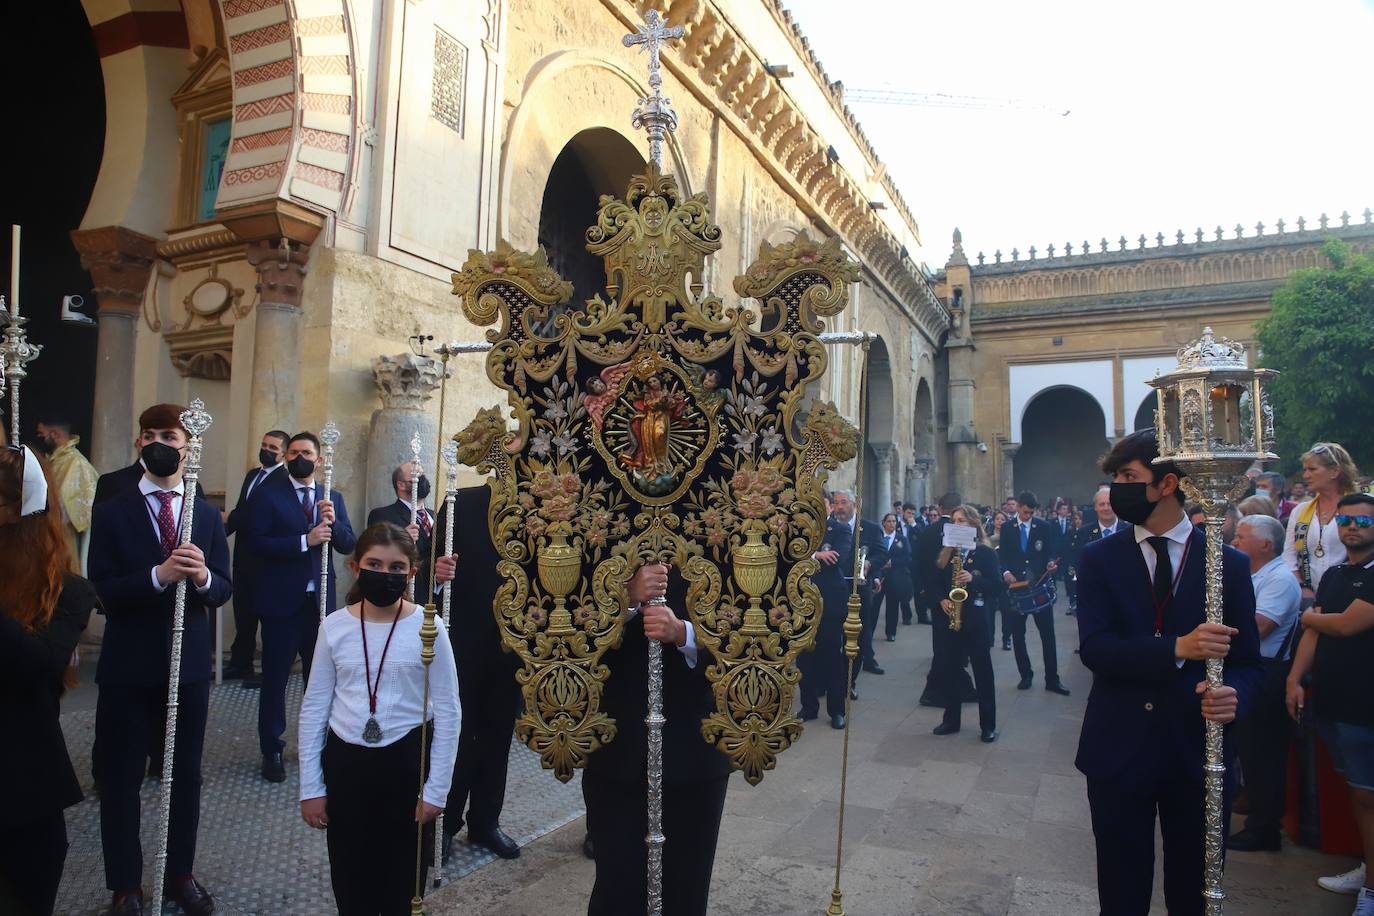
column 406, row 383
column 886, row 453
column 918, row 492
column 120, row 261
column 1009, row 450
column 276, row 340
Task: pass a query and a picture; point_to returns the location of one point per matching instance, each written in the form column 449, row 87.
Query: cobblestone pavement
column 255, row 855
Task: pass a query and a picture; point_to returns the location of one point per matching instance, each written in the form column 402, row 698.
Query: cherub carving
column 602, row 391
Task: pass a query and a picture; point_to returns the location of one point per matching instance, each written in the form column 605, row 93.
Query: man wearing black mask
column 288, row 528
column 244, row 647
column 415, row 519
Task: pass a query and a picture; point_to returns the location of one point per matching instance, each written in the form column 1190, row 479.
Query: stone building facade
column 1049, row 355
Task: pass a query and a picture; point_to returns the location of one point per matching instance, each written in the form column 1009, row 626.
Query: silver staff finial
column 195, row 419
column 329, row 436
column 655, row 113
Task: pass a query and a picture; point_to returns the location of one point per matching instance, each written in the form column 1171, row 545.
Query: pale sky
column 1184, row 114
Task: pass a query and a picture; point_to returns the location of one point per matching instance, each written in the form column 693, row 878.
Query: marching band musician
column 979, row 577
column 135, row 563
column 1026, row 552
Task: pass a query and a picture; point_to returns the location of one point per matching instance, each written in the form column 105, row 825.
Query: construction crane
column 944, row 100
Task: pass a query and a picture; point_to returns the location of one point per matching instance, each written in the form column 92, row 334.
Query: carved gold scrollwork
column 657, row 423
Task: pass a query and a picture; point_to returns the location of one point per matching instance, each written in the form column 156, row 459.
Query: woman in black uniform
column 982, row 578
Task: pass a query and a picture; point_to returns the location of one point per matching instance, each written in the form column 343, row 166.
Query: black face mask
column 160, row 459
column 46, row 446
column 267, row 459
column 423, row 488
column 1130, row 503
column 382, row 589
column 300, row 467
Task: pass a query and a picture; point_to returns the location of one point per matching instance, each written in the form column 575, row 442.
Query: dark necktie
column 1164, row 571
column 262, row 475
column 307, row 504
column 426, row 526
column 166, row 523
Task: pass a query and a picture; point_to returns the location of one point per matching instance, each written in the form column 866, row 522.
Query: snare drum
column 1033, row 599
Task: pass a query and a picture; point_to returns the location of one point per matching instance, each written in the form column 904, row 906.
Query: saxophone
column 957, row 593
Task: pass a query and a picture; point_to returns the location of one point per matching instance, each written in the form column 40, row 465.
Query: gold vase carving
column 560, row 566
column 755, row 565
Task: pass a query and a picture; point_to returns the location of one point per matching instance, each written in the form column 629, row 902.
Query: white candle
column 14, row 272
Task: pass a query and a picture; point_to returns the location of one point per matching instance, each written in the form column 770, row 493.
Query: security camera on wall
column 983, row 447
column 70, row 304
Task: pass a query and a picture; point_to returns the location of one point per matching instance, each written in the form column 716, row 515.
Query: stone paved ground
column 933, row 825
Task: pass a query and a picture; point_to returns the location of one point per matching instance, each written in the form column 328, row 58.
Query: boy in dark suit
column 289, row 527
column 245, row 645
column 135, row 564
column 403, row 514
column 1142, row 632
column 1026, row 551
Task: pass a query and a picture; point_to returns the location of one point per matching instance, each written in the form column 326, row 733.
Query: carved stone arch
column 295, row 118
column 589, row 91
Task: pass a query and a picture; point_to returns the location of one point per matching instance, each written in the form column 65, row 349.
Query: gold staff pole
column 853, row 621
column 450, row 452
column 329, row 437
column 196, row 421
column 416, row 469
column 429, row 632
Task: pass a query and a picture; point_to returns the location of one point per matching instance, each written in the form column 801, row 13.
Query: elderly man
column 1262, row 737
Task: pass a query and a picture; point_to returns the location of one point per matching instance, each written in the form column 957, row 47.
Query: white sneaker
column 1364, row 906
column 1349, row 883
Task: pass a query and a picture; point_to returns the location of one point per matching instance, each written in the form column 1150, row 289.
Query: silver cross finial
column 654, row 113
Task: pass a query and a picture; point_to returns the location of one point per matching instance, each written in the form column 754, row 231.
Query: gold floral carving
column 657, row 423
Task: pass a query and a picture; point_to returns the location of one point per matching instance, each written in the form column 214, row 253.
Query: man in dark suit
column 1142, row 631
column 1106, row 525
column 288, row 528
column 1064, row 551
column 245, row 644
column 823, row 668
column 419, row 521
column 120, row 481
column 911, row 529
column 135, row 564
column 893, row 578
column 1026, row 551
column 869, row 535
column 487, row 690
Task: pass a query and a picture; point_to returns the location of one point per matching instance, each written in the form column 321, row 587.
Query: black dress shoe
column 234, row 673
column 252, row 682
column 837, row 721
column 1024, row 683
column 1058, row 688
column 1255, row 841
column 588, row 849
column 1006, row 643
column 853, row 693
column 873, row 667
column 130, row 904
column 988, row 736
column 808, row 715
column 273, row 769
column 924, row 620
column 191, row 896
column 944, row 728
column 496, row 840
column 892, row 639
column 906, row 621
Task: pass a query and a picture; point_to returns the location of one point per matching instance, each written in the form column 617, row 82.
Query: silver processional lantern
column 1214, row 422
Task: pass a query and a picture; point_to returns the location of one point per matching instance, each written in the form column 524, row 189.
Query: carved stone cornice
column 405, row 380
column 281, row 272
column 213, row 241
column 202, row 352
column 119, row 261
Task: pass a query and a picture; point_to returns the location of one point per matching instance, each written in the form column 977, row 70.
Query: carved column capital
column 281, row 272
column 1009, row 450
column 120, row 261
column 406, row 380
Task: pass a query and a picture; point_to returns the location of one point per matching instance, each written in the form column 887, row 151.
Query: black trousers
column 617, row 814
column 869, row 616
column 371, row 832
column 283, row 639
column 245, row 644
column 1044, row 622
column 823, row 668
column 1124, row 830
column 969, row 641
column 31, row 859
column 1070, row 586
column 897, row 602
column 1262, row 738
column 126, row 718
column 490, row 699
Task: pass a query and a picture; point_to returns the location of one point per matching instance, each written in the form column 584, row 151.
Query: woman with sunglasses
column 1313, row 544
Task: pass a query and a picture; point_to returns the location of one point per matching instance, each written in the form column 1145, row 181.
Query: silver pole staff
column 656, row 116
column 329, row 437
column 450, row 453
column 17, row 353
column 416, row 469
column 196, row 421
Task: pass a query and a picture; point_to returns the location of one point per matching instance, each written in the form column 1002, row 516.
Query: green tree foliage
column 1320, row 337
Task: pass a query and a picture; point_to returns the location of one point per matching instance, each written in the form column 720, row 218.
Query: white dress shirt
column 147, row 488
column 1333, row 551
column 688, row 648
column 1178, row 542
column 336, row 698
column 1108, row 530
column 260, row 477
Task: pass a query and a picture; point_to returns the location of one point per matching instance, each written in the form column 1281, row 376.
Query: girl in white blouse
column 360, row 730
column 1313, row 542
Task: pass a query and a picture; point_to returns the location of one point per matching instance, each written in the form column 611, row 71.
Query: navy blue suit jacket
column 138, row 618
column 238, row 516
column 275, row 526
column 1144, row 720
column 1040, row 549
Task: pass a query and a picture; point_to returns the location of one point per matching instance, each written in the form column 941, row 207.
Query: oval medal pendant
column 1319, row 550
column 372, row 732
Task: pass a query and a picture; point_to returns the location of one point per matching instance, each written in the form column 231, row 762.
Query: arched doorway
column 878, row 432
column 57, row 171
column 594, row 162
column 1062, row 445
column 1145, row 416
column 923, row 432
